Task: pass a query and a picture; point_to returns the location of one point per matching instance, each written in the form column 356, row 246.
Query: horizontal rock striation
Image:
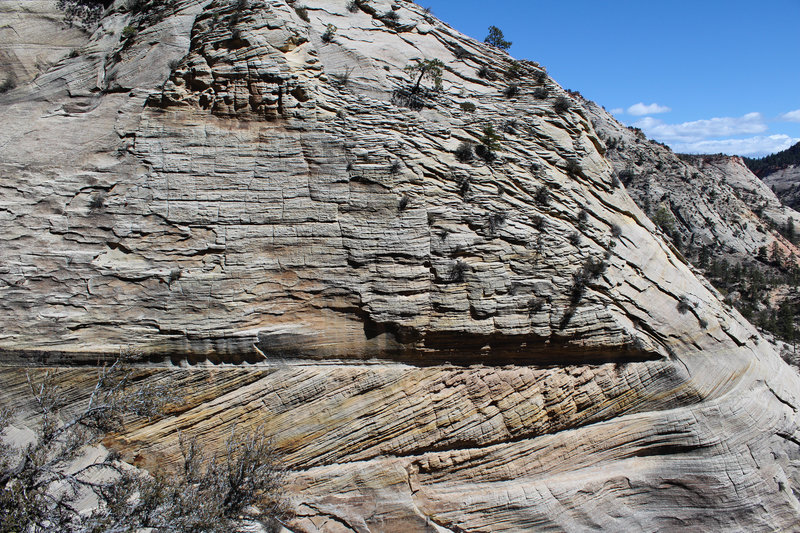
column 437, row 342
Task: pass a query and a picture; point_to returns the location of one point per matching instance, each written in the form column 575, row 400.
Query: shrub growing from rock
column 511, row 91
column 330, row 31
column 464, row 152
column 561, row 105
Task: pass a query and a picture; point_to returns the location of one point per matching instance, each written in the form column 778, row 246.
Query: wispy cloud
column 752, row 146
column 791, row 116
column 617, row 111
column 641, row 108
column 699, row 130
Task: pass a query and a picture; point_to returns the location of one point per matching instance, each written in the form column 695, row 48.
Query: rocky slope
column 437, row 344
column 785, row 184
column 781, row 172
column 707, row 201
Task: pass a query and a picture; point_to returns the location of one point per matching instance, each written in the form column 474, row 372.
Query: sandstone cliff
column 437, row 344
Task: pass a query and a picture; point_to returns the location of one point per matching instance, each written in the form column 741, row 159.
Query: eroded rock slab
column 436, row 343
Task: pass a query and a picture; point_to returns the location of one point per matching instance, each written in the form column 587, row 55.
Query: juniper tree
column 426, row 68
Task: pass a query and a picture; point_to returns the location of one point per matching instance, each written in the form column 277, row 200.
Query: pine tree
column 497, row 39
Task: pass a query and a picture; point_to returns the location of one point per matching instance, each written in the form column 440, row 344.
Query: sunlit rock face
column 711, row 201
column 784, row 182
column 437, row 344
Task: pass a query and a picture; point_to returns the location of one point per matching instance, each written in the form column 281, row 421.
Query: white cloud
column 617, row 111
column 752, row 146
column 791, row 116
column 647, row 109
column 698, row 130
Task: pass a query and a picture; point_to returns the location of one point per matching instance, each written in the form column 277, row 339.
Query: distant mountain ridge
column 764, row 166
column 780, row 172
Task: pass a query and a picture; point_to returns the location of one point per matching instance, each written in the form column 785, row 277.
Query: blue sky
column 709, row 76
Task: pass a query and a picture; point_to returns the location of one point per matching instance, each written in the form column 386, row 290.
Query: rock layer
column 435, row 343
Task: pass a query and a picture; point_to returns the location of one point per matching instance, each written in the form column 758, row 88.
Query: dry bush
column 43, row 483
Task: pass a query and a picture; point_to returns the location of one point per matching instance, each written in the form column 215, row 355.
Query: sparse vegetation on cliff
column 766, row 165
column 561, row 105
column 83, row 13
column 44, row 483
column 497, row 39
column 489, row 143
column 430, row 69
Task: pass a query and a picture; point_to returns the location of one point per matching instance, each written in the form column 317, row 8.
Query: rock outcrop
column 781, row 172
column 785, row 184
column 437, row 342
column 709, row 201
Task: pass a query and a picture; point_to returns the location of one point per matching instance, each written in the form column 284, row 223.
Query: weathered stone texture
column 436, row 345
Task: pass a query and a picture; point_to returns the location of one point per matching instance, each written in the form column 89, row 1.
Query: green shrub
column 330, row 31
column 352, row 6
column 561, row 105
column 490, row 139
column 486, row 73
column 129, row 32
column 489, row 143
column 663, row 218
column 461, row 53
column 469, row 107
column 390, row 17
column 458, row 270
column 8, row 84
column 511, row 91
column 514, row 70
column 541, row 93
column 83, row 13
column 464, row 152
column 542, row 195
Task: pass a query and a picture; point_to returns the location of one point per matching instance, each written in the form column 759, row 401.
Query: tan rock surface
column 428, row 347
